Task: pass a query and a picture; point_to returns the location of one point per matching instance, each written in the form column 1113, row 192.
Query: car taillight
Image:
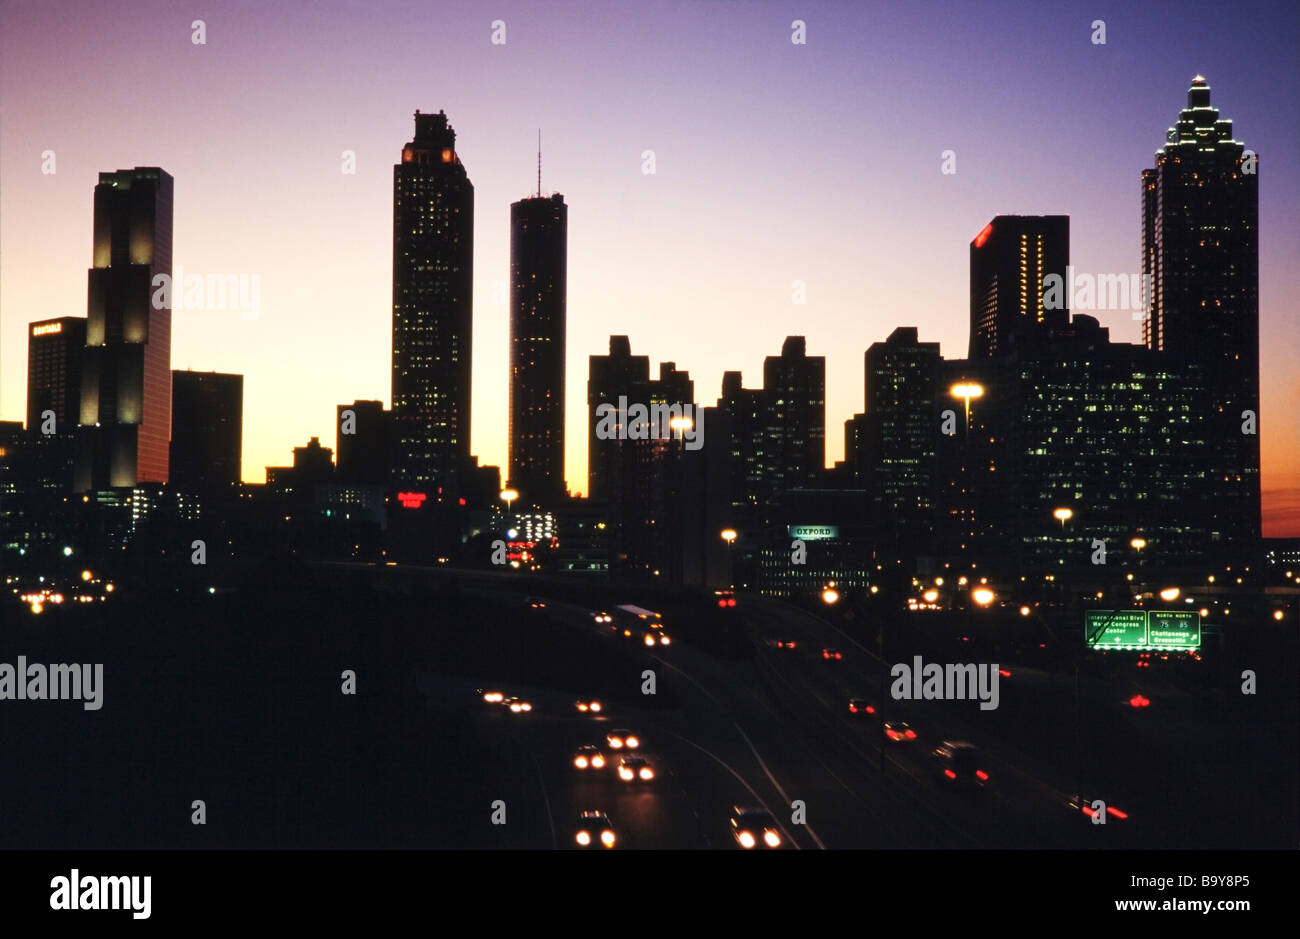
column 1117, row 813
column 950, row 774
column 981, row 774
column 1004, row 673
column 910, row 735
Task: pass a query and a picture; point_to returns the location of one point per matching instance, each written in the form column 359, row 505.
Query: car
column 592, row 707
column 899, row 731
column 861, row 706
column 832, row 654
column 635, row 768
column 622, row 738
column 601, row 617
column 593, row 828
column 492, row 697
column 726, row 598
column 752, row 827
column 535, row 603
column 785, row 643
column 1084, row 804
column 960, row 763
column 516, row 705
column 655, row 637
column 588, row 756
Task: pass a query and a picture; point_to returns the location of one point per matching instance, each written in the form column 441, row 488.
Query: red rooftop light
column 983, row 236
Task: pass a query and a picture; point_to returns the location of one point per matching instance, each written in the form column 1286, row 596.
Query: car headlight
column 649, row 640
column 624, row 773
column 633, row 742
column 607, row 838
column 514, row 708
column 584, row 838
column 771, row 838
column 746, row 839
column 526, row 706
column 615, row 743
column 647, row 773
column 580, row 762
column 664, row 640
column 597, row 761
column 595, row 705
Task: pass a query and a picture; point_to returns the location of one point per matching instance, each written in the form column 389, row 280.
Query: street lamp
column 728, row 535
column 1064, row 515
column 966, row 391
column 830, row 596
column 1169, row 594
column 982, row 595
column 509, row 495
column 1138, row 544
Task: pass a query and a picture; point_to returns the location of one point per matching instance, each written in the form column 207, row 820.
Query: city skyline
column 683, row 331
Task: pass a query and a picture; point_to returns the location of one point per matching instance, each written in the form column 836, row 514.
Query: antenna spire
column 539, row 162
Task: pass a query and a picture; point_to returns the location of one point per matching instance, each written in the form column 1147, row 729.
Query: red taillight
column 981, row 774
column 950, row 774
column 853, row 708
column 1088, row 811
column 1139, row 701
column 731, row 602
column 722, row 603
column 1117, row 813
column 870, row 709
column 1004, row 673
column 910, row 735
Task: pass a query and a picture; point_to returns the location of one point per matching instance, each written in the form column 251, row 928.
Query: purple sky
column 775, row 162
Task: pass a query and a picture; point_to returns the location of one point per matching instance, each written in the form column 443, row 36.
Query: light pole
column 729, row 535
column 967, row 390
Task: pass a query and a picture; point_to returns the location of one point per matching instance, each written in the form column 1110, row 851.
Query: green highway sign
column 1143, row 630
column 1178, row 630
column 1116, row 629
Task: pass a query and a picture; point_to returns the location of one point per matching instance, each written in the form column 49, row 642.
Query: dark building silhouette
column 362, row 442
column 538, row 266
column 207, row 430
column 1200, row 241
column 55, row 358
column 900, row 433
column 433, row 267
column 609, row 376
column 313, row 465
column 635, row 473
column 126, row 380
column 1009, row 260
column 747, row 439
column 55, row 352
column 794, row 395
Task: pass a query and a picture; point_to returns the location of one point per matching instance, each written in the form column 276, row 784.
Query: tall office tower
column 126, row 386
column 55, row 350
column 609, row 376
column 1009, row 259
column 362, row 442
column 1200, row 239
column 902, row 431
column 794, row 392
column 747, row 443
column 538, row 252
column 433, row 267
column 207, row 430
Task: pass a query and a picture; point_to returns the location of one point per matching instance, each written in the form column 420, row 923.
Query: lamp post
column 729, row 536
column 967, row 390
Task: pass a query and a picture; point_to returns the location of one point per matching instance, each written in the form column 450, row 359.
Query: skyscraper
column 126, row 386
column 794, row 392
column 207, row 430
column 1008, row 260
column 1200, row 240
column 901, row 433
column 538, row 252
column 55, row 350
column 433, row 267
